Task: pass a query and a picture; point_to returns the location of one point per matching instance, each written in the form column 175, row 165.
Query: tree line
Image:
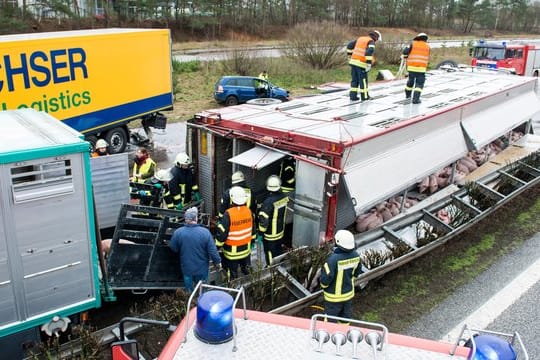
column 212, row 18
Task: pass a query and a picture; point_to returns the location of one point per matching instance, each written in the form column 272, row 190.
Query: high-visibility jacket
column 181, row 187
column 143, row 171
column 362, row 54
column 272, row 216
column 235, row 232
column 417, row 56
column 287, row 175
column 226, row 201
column 338, row 274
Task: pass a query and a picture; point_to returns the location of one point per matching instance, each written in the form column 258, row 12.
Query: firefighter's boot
column 407, row 94
column 416, row 98
column 353, row 95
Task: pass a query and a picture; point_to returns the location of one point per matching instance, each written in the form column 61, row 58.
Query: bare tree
column 319, row 45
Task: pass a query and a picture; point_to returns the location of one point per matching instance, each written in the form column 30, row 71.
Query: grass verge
column 403, row 296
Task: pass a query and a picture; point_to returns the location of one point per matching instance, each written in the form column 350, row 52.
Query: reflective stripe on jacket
column 363, row 52
column 287, row 175
column 226, row 201
column 338, row 274
column 235, row 232
column 145, row 171
column 418, row 58
column 272, row 216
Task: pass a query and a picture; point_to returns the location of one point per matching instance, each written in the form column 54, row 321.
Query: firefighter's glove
column 197, row 196
column 142, row 193
column 259, row 239
column 158, row 186
column 179, row 206
column 368, row 67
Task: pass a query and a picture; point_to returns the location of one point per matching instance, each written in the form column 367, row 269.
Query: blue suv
column 233, row 90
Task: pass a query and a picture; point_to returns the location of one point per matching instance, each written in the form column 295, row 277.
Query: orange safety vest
column 418, row 58
column 359, row 57
column 237, row 244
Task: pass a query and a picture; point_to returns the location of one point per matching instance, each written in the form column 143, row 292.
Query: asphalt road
column 486, row 299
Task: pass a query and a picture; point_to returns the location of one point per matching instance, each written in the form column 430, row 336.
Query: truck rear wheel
column 117, row 139
column 92, row 139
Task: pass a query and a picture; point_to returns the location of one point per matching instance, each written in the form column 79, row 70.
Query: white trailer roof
column 27, row 129
column 388, row 143
column 333, row 117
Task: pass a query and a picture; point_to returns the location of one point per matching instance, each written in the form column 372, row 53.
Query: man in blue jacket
column 338, row 274
column 195, row 245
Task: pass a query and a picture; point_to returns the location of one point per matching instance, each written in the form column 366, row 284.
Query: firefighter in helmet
column 271, row 219
column 182, row 188
column 361, row 51
column 100, row 148
column 287, row 174
column 338, row 274
column 234, row 234
column 160, row 185
column 237, row 179
column 417, row 56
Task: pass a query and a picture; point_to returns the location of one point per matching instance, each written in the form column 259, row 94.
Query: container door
column 309, row 222
column 50, row 215
column 8, row 313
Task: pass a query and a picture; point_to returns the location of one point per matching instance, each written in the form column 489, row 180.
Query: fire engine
column 516, row 57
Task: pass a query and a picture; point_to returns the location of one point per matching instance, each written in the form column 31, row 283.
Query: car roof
column 238, row 77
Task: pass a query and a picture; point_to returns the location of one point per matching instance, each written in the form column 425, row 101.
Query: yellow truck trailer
column 95, row 81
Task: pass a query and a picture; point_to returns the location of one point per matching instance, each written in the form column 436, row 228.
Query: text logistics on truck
column 516, row 57
column 95, row 81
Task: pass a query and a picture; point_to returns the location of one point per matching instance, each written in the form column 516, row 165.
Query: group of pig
column 384, row 211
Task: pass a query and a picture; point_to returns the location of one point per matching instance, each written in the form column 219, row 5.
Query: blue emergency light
column 490, row 347
column 214, row 317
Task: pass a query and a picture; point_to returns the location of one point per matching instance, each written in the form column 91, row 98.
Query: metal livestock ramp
column 139, row 258
column 416, row 233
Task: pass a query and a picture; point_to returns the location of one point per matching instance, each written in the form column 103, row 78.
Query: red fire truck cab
column 518, row 58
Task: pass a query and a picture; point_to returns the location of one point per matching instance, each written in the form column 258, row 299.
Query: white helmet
column 376, row 34
column 238, row 195
column 182, row 159
column 421, row 36
column 164, row 175
column 101, row 144
column 273, row 183
column 344, row 239
column 237, row 177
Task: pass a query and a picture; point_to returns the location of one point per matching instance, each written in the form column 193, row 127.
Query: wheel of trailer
column 264, row 101
column 92, row 139
column 282, row 99
column 117, row 139
column 231, row 100
column 447, row 64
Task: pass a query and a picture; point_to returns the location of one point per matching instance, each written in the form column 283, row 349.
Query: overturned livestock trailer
column 351, row 155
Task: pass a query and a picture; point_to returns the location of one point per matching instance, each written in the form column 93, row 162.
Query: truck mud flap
column 139, row 257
